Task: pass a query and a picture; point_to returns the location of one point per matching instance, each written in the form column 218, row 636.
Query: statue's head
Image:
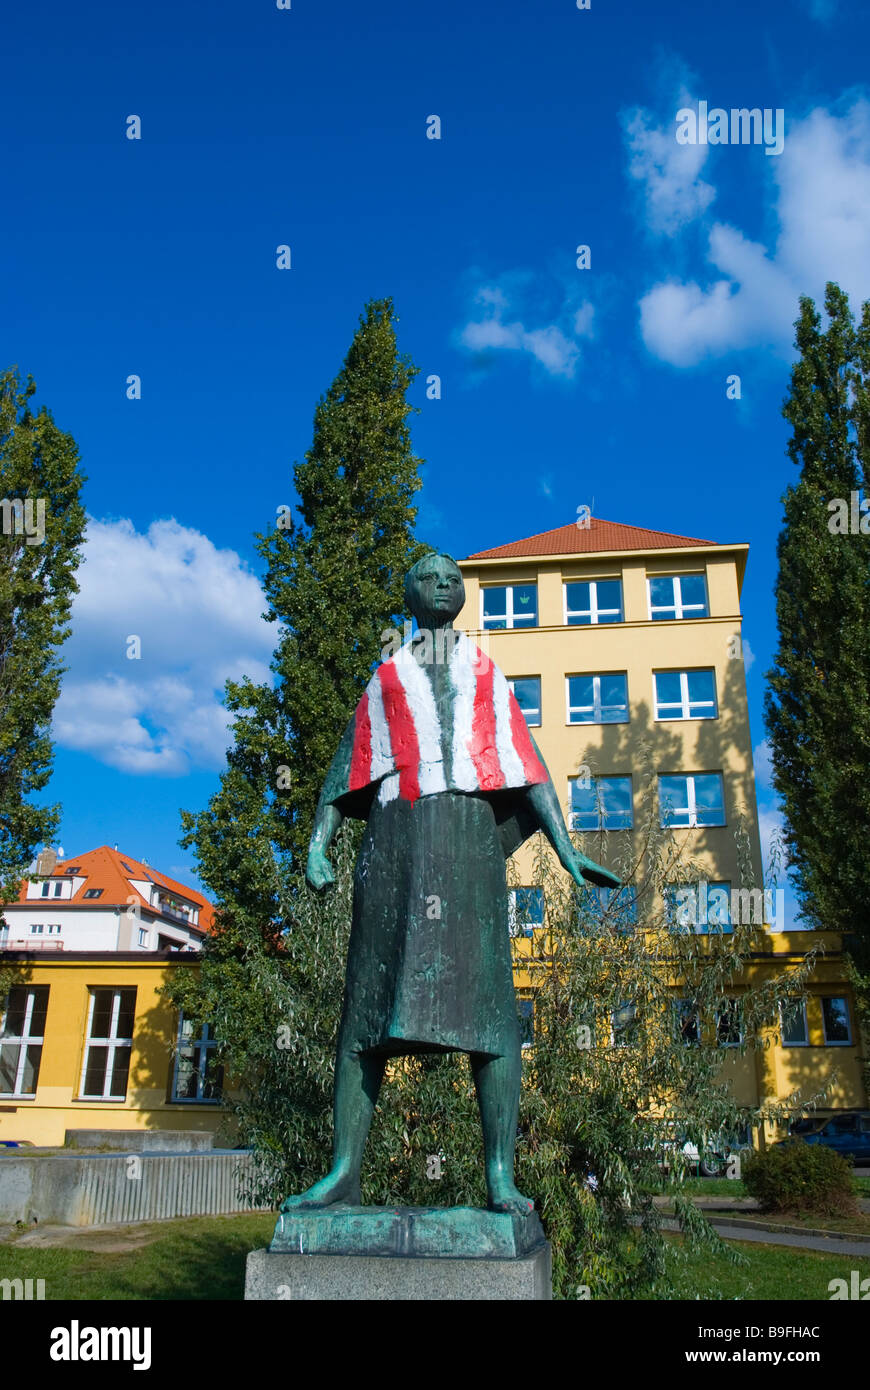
column 434, row 591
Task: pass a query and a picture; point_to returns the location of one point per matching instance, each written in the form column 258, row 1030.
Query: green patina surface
column 460, row 1232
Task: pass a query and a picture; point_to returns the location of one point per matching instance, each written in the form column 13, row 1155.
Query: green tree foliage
column 333, row 581
column 604, row 1113
column 818, row 703
column 799, row 1177
column 42, row 523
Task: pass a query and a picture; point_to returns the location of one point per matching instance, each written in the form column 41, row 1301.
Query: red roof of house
column 599, row 535
column 113, row 872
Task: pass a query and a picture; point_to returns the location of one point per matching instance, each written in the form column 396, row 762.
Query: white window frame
column 681, row 610
column 112, row 1042
column 734, row 1004
column 24, row 1040
column 509, row 615
column 594, row 611
column 803, row 1008
column 683, row 707
column 629, row 1004
column 841, row 1042
column 691, row 807
column 521, row 926
column 596, row 706
column 682, row 1004
column 591, row 830
column 707, row 927
column 528, row 999
column 203, row 1045
column 531, row 723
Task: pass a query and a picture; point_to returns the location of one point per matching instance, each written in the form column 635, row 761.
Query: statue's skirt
column 429, row 958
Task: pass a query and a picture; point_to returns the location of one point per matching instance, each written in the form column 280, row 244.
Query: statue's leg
column 497, row 1081
column 358, row 1077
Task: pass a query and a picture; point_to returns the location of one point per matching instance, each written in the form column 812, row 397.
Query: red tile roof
column 600, row 535
column 112, row 871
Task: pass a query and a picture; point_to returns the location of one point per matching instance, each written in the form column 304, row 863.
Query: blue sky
column 308, row 127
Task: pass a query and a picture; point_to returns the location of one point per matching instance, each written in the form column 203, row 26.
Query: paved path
column 828, row 1245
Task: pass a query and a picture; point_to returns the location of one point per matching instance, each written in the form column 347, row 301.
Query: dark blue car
column 847, row 1134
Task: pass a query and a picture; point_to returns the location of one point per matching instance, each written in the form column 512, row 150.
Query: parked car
column 713, row 1162
column 847, row 1133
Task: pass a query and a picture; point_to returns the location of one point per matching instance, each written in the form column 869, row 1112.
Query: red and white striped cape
column 399, row 741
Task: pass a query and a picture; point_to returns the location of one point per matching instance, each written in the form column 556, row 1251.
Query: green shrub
column 800, row 1177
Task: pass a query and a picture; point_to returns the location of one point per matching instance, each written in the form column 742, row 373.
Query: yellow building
column 613, row 638
column 89, row 1043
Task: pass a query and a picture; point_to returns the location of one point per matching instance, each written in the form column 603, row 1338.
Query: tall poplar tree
column 42, row 523
column 333, row 580
column 817, row 708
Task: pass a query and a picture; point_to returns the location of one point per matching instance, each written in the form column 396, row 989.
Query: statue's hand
column 580, row 868
column 318, row 871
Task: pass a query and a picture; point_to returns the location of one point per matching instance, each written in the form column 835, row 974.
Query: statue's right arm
column 327, row 818
column 318, row 871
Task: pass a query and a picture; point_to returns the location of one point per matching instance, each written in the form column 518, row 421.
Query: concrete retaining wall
column 141, row 1141
column 101, row 1189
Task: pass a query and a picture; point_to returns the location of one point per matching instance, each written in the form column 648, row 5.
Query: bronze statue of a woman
column 439, row 761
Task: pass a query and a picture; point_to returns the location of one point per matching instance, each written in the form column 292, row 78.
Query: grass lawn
column 202, row 1258
column 733, row 1187
column 851, row 1225
column 769, row 1272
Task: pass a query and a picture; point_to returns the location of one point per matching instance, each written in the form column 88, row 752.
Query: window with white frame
column 835, row 1017
column 143, row 936
column 527, row 690
column 197, row 1075
column 22, row 1034
column 55, row 888
column 687, row 1022
column 685, row 694
column 624, row 1025
column 508, row 605
column 692, row 799
column 593, row 601
column 677, row 596
column 525, row 910
column 109, row 1044
column 699, row 906
column 526, row 1010
column 728, row 1029
column 793, row 1023
column 601, row 803
column 598, row 699
column 617, row 905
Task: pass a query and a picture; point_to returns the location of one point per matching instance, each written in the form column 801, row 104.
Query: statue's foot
column 338, row 1186
column 503, row 1195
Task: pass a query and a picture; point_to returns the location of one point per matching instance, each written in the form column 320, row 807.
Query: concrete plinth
column 278, row 1275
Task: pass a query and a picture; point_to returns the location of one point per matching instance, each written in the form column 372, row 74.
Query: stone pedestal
column 388, row 1253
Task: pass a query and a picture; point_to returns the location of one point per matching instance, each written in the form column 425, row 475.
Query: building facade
column 104, row 901
column 624, row 649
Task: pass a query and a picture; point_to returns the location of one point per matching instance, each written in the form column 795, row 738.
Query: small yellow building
column 89, row 1043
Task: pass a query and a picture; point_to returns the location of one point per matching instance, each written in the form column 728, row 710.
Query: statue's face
column 437, row 592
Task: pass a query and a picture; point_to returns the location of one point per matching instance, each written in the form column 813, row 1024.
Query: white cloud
column 820, row 189
column 748, row 655
column 763, row 769
column 555, row 346
column 668, row 173
column 770, row 829
column 197, row 612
